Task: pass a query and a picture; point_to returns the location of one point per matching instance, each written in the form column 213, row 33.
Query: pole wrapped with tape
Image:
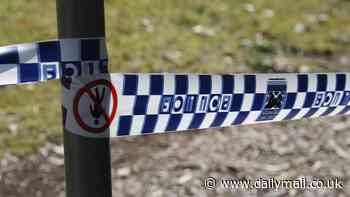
column 138, row 104
column 49, row 60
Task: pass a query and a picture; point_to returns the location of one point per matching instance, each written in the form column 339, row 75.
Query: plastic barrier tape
column 41, row 61
column 135, row 104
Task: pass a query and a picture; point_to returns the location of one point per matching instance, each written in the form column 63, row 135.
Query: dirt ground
column 177, row 164
column 206, row 36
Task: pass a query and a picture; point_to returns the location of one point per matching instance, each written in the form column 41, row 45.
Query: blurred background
column 198, row 36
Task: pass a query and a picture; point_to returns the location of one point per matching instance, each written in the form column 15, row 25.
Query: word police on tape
column 138, row 104
column 103, row 105
column 41, row 61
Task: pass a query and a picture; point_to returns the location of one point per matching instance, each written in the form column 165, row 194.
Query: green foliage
column 216, row 36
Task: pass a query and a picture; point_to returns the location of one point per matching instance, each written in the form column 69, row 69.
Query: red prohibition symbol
column 96, row 109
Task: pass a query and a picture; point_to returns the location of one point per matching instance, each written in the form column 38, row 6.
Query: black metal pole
column 87, row 160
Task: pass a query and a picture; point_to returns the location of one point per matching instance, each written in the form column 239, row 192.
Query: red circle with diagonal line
column 87, row 89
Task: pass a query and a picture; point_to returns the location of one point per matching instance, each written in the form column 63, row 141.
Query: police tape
column 41, row 61
column 138, row 104
column 111, row 105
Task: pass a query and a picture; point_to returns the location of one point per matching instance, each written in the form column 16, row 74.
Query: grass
column 214, row 36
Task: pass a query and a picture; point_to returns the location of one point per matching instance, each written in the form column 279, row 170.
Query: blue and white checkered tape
column 41, row 61
column 138, row 104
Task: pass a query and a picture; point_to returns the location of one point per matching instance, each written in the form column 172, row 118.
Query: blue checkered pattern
column 26, row 63
column 156, row 103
